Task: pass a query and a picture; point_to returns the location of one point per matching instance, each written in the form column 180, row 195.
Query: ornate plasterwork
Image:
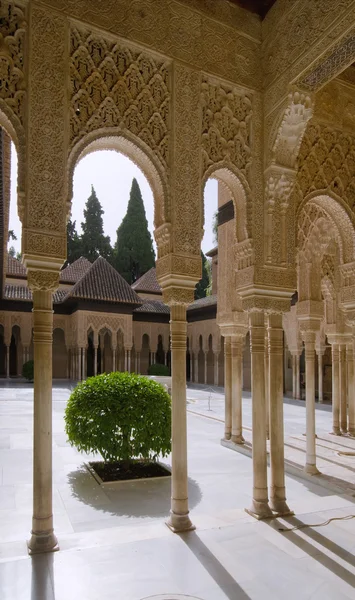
column 226, row 127
column 179, row 31
column 47, row 281
column 335, row 106
column 12, row 77
column 326, row 162
column 116, row 86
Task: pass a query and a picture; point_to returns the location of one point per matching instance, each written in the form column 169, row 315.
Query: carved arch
column 134, row 149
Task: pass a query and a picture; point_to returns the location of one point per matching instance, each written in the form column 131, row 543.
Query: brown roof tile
column 153, row 306
column 147, row 283
column 103, row 282
column 72, row 273
column 22, row 292
column 15, row 268
column 202, row 302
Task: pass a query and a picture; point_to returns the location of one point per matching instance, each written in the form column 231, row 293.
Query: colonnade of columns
column 343, row 393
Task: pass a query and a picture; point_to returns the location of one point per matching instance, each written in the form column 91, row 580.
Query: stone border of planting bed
column 118, row 482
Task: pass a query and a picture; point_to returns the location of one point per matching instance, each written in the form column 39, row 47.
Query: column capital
column 42, row 281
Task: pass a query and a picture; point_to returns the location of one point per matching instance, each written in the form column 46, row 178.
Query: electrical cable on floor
column 304, row 525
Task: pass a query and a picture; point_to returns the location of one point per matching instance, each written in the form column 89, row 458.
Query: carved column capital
column 42, row 281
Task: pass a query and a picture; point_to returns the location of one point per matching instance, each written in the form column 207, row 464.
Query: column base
column 335, row 431
column 344, row 431
column 280, row 508
column 179, row 523
column 351, row 433
column 311, row 469
column 227, row 436
column 42, row 542
column 260, row 510
column 237, row 439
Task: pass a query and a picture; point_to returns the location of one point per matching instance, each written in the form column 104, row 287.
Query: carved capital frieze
column 42, row 281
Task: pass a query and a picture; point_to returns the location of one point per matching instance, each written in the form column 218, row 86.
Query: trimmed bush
column 121, row 416
column 158, row 369
column 28, row 370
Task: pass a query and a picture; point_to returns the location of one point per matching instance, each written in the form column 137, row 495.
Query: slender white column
column 227, row 388
column 80, row 373
column 260, row 504
column 152, row 358
column 320, row 376
column 138, row 362
column 309, row 342
column 7, row 362
column 114, row 361
column 95, row 360
column 42, row 535
column 298, row 378
column 84, row 364
column 343, row 394
column 277, row 461
column 351, row 386
column 102, row 357
column 179, row 519
column 216, row 367
column 191, row 366
column 335, row 389
column 165, row 358
column 196, row 367
column 68, row 363
column 294, row 377
column 128, row 361
column 267, row 391
column 236, row 376
column 206, row 367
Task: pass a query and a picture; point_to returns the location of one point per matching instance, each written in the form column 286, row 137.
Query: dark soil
column 120, row 471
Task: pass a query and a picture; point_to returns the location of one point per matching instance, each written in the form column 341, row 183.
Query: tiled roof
column 72, row 273
column 103, row 282
column 15, row 267
column 203, row 302
column 147, row 283
column 22, row 292
column 153, row 306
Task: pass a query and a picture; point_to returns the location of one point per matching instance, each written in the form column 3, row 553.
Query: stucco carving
column 42, row 280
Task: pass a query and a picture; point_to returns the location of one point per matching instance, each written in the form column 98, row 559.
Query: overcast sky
column 111, row 175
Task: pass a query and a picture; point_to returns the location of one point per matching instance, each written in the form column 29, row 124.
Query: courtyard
column 114, row 543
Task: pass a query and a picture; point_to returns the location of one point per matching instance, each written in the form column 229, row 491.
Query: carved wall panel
column 12, row 76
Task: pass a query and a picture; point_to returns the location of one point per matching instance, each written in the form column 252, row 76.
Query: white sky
column 111, row 175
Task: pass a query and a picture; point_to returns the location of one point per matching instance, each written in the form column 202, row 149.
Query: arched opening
column 221, row 363
column 15, row 352
column 60, row 358
column 210, row 362
column 160, row 354
column 145, row 354
column 247, row 364
column 104, row 352
column 201, row 362
column 2, row 353
column 90, row 354
column 188, row 362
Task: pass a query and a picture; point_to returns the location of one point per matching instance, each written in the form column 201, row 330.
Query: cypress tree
column 133, row 253
column 203, row 284
column 74, row 250
column 93, row 241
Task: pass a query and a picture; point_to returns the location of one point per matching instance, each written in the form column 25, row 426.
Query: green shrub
column 121, row 416
column 158, row 369
column 28, row 370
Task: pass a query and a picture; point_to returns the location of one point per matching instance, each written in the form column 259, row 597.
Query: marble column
column 126, row 360
column 138, row 362
column 83, row 377
column 7, row 361
column 42, row 534
column 320, row 375
column 294, row 358
column 309, row 338
column 129, row 361
column 236, row 377
column 351, row 390
column 335, row 388
column 343, row 394
column 179, row 519
column 114, row 360
column 267, row 391
column 165, row 358
column 196, row 367
column 298, row 378
column 216, row 368
column 206, row 368
column 277, row 460
column 227, row 388
column 191, row 366
column 80, row 373
column 95, row 360
column 260, row 504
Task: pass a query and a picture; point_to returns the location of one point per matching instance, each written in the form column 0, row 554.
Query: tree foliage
column 133, row 253
column 93, row 241
column 74, row 246
column 202, row 285
column 121, row 416
column 28, row 370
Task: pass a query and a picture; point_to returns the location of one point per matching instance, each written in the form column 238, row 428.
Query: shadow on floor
column 214, row 568
column 42, row 582
column 325, row 560
column 130, row 499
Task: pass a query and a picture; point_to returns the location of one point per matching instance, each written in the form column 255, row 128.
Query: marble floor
column 114, row 544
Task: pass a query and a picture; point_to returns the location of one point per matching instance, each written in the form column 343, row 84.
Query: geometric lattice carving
column 226, row 126
column 12, row 40
column 114, row 86
column 326, row 161
column 341, row 56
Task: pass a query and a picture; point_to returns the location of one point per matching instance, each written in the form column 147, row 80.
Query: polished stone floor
column 114, row 544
